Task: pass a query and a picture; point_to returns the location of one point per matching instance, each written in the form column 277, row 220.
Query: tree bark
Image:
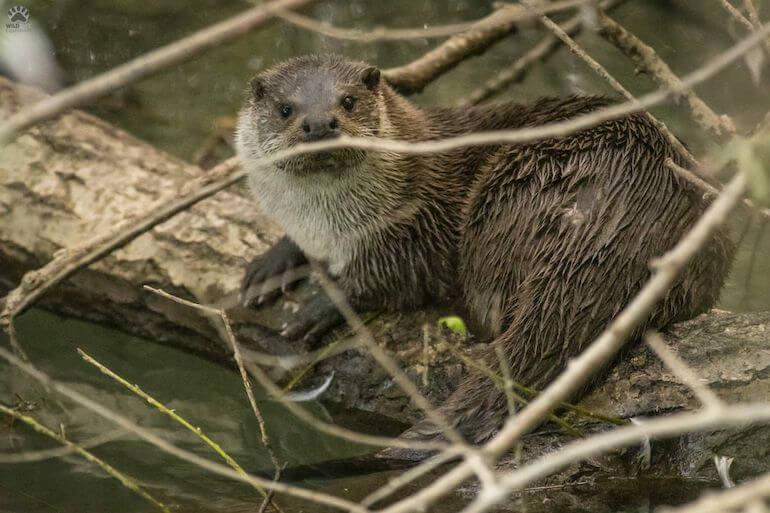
column 66, row 181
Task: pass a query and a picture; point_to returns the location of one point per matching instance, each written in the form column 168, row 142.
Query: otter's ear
column 257, row 88
column 371, row 77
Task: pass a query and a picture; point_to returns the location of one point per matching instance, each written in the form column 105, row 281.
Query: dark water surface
column 176, row 110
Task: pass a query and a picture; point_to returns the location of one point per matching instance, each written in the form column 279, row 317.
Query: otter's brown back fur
column 540, row 243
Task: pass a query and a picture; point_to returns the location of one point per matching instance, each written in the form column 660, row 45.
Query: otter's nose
column 319, row 126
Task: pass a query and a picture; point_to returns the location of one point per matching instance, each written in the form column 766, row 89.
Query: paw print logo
column 18, row 14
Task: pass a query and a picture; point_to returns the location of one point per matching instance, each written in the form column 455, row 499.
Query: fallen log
column 66, row 181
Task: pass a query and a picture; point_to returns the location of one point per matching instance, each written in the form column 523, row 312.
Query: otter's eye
column 285, row 110
column 348, row 102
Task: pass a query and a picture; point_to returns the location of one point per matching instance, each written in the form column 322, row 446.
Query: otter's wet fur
column 541, row 243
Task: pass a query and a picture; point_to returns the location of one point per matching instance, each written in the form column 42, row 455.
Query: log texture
column 70, row 179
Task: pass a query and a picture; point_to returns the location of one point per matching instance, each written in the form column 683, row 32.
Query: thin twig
column 710, row 189
column 519, row 68
column 659, row 428
column 408, row 476
column 680, row 369
column 646, row 57
column 737, row 15
column 135, row 389
column 270, row 493
column 727, row 500
column 303, row 414
column 36, row 283
column 413, row 77
column 756, row 22
column 45, row 454
column 600, row 351
column 230, row 336
column 398, row 34
column 142, row 66
column 500, row 383
column 507, row 382
column 761, row 231
column 236, row 353
column 334, row 430
column 472, row 456
column 124, row 479
column 167, row 447
column 617, row 86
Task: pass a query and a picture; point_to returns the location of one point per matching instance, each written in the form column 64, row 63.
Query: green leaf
column 454, row 323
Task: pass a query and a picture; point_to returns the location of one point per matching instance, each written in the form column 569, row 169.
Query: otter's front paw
column 314, row 320
column 271, row 273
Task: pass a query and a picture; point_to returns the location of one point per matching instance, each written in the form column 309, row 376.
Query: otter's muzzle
column 319, row 126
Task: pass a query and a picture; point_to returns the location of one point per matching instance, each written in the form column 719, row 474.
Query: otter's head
column 308, row 99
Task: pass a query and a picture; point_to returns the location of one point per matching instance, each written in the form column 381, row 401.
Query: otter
column 541, row 243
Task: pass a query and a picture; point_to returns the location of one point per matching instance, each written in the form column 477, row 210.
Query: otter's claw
column 271, row 273
column 313, row 321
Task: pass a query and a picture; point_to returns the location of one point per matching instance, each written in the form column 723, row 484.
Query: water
column 209, row 396
column 176, row 110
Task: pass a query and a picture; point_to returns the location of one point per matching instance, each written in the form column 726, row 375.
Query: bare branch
column 297, row 410
column 58, row 452
column 413, row 77
column 756, row 23
column 124, row 479
column 410, row 475
column 143, row 66
column 476, row 460
column 230, row 336
column 664, row 427
column 601, row 350
column 680, row 369
column 167, row 447
column 395, row 34
column 728, row 500
column 38, row 282
column 602, row 72
column 736, row 14
column 644, row 56
column 519, row 68
column 710, row 189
